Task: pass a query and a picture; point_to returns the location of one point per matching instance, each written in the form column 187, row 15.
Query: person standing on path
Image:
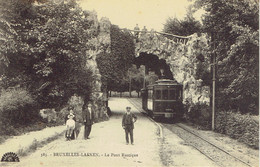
column 136, row 33
column 71, row 112
column 128, row 124
column 88, row 117
column 70, row 125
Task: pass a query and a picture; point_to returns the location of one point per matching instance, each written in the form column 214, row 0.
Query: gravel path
column 106, row 146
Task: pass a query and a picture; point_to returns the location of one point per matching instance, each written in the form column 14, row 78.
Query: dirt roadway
column 106, row 146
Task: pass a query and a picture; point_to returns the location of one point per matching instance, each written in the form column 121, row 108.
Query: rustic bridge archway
column 181, row 55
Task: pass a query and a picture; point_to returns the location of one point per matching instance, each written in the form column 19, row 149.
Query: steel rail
column 140, row 110
column 212, row 144
column 189, row 131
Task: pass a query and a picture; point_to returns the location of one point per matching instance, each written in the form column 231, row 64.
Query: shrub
column 17, row 106
column 243, row 127
column 6, row 128
column 199, row 114
column 238, row 126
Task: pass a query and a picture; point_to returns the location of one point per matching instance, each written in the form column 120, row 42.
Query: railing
column 178, row 38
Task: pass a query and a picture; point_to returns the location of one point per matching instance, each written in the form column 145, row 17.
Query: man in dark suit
column 128, row 124
column 88, row 116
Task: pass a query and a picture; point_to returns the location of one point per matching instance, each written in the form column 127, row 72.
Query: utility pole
column 130, row 90
column 214, row 82
column 144, row 76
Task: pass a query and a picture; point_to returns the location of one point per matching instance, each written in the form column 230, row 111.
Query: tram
column 163, row 99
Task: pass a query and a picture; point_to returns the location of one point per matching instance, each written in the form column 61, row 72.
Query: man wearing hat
column 88, row 117
column 128, row 124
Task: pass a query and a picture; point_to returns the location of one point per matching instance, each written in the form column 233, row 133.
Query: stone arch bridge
column 180, row 54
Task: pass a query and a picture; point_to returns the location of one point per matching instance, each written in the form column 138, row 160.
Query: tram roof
column 165, row 82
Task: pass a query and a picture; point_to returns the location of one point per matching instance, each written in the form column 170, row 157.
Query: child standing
column 70, row 124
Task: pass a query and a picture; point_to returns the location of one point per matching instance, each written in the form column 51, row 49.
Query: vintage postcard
column 147, row 83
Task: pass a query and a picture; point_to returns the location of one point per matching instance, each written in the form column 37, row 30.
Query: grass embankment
column 7, row 131
column 37, row 144
column 242, row 127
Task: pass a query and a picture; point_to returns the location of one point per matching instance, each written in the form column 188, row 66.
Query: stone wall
column 98, row 45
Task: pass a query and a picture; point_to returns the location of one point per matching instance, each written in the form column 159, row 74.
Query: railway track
column 208, row 148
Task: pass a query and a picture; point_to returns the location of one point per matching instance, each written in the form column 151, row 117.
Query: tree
column 188, row 26
column 136, row 78
column 114, row 66
column 184, row 27
column 49, row 57
column 234, row 26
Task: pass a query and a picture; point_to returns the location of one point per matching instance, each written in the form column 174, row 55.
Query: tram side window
column 158, row 94
column 150, row 94
column 172, row 94
column 165, row 94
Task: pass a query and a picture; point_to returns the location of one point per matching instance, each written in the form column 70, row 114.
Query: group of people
column 137, row 31
column 72, row 130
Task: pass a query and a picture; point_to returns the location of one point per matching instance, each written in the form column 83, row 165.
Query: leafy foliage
column 51, row 41
column 114, row 66
column 185, row 27
column 234, row 25
column 199, row 114
column 245, row 127
column 17, row 106
column 137, row 77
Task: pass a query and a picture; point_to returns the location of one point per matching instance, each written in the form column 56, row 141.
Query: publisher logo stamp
column 10, row 157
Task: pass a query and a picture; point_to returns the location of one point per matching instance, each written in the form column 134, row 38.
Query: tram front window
column 165, row 94
column 158, row 94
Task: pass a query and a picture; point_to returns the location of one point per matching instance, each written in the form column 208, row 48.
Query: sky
column 127, row 13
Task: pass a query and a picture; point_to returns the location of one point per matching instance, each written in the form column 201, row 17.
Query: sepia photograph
column 129, row 83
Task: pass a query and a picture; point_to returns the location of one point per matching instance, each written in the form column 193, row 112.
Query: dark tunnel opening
column 153, row 63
